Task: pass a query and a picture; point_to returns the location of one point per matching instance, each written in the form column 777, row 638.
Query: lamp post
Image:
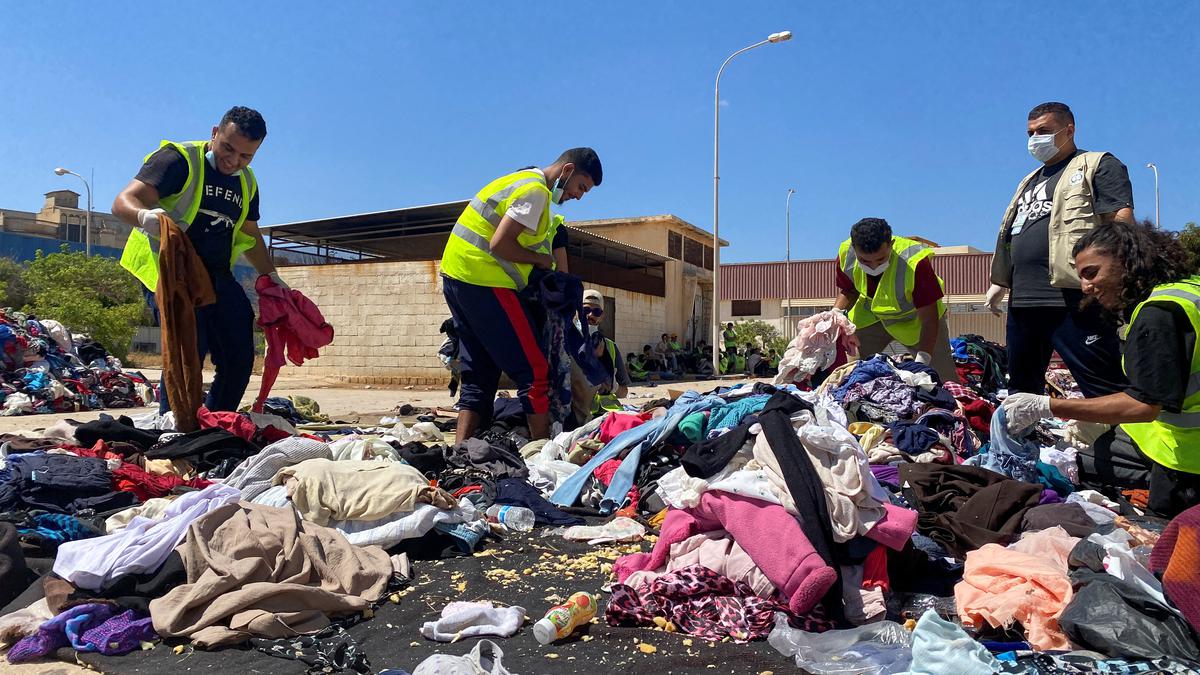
column 787, row 331
column 1157, row 222
column 87, row 233
column 782, row 36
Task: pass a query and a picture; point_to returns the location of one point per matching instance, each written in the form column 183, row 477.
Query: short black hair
column 1060, row 110
column 585, row 160
column 870, row 234
column 646, row 348
column 248, row 122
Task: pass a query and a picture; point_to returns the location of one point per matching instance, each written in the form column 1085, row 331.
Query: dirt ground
column 348, row 403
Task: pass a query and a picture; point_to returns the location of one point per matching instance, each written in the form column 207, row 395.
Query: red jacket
column 290, row 322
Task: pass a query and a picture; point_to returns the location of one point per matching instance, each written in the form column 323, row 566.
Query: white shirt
column 528, row 208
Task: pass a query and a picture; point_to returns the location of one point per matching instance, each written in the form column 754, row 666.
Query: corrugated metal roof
column 964, row 274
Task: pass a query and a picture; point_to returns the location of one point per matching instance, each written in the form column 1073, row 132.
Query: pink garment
column 718, row 552
column 821, row 342
column 895, row 528
column 1026, row 582
column 604, row 473
column 290, row 321
column 617, row 422
column 770, row 535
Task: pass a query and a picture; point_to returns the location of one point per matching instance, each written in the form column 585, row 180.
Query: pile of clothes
column 46, row 369
column 819, row 517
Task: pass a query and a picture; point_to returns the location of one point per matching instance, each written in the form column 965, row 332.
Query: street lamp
column 787, row 331
column 782, row 36
column 87, row 235
column 1157, row 222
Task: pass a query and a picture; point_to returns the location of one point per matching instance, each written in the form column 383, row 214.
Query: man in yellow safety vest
column 889, row 291
column 504, row 233
column 210, row 191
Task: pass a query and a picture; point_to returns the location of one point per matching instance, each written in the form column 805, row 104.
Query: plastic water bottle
column 516, row 518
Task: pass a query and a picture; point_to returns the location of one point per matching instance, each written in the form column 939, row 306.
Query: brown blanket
column 183, row 285
column 260, row 571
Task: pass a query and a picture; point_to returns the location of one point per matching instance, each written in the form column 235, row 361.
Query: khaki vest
column 1072, row 215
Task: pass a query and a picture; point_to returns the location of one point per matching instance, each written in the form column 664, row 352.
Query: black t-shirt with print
column 220, row 205
column 1031, row 287
column 1158, row 355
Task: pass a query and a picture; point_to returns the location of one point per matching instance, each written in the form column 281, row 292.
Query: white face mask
column 875, row 271
column 1043, row 147
column 556, row 195
column 212, row 161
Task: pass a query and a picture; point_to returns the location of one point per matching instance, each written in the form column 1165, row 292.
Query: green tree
column 1189, row 236
column 760, row 334
column 88, row 295
column 14, row 292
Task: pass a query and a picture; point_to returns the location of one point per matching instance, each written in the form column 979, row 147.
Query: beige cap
column 593, row 297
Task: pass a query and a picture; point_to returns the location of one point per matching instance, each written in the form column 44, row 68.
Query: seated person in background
column 666, row 354
column 651, row 361
column 637, row 372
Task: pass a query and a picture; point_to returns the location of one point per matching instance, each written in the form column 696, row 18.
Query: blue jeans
column 224, row 330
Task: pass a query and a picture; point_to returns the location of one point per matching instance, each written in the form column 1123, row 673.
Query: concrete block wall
column 641, row 319
column 385, row 318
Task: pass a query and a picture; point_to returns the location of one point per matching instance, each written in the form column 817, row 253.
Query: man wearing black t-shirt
column 1141, row 276
column 1073, row 192
column 221, row 221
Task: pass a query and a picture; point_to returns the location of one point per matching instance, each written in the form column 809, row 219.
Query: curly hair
column 1148, row 255
column 870, row 234
column 248, row 122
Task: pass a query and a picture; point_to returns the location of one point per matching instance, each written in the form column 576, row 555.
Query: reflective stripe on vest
column 1173, row 439
column 468, row 255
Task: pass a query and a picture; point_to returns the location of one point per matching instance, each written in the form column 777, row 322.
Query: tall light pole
column 782, row 36
column 787, row 331
column 87, row 235
column 1157, row 222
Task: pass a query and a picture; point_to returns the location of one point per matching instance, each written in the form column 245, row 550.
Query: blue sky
column 911, row 111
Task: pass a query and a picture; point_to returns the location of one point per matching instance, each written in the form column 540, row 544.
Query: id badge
column 1019, row 221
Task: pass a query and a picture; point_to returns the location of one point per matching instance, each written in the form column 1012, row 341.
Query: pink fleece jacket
column 769, row 534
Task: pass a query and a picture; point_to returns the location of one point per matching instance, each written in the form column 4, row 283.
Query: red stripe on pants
column 539, row 388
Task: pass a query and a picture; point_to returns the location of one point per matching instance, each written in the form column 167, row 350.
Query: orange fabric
column 183, row 285
column 1026, row 582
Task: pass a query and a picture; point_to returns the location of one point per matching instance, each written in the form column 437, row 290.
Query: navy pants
column 224, row 331
column 1086, row 342
column 497, row 333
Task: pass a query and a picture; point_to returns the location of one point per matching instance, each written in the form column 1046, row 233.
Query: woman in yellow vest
column 502, row 234
column 889, row 291
column 1142, row 277
column 209, row 190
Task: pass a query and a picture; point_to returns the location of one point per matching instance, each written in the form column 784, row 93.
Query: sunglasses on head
column 593, row 311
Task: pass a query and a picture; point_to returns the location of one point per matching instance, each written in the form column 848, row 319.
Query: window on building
column 675, row 245
column 708, row 257
column 693, row 252
column 746, row 308
column 71, row 231
column 803, row 311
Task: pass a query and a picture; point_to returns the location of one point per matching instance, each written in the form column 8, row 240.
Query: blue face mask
column 556, row 195
column 212, row 161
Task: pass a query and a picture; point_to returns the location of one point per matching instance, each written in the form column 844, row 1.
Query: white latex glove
column 923, row 358
column 994, row 297
column 148, row 219
column 1024, row 410
column 279, row 281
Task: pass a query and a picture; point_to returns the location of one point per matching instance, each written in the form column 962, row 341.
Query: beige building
column 759, row 291
column 61, row 217
column 377, row 280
